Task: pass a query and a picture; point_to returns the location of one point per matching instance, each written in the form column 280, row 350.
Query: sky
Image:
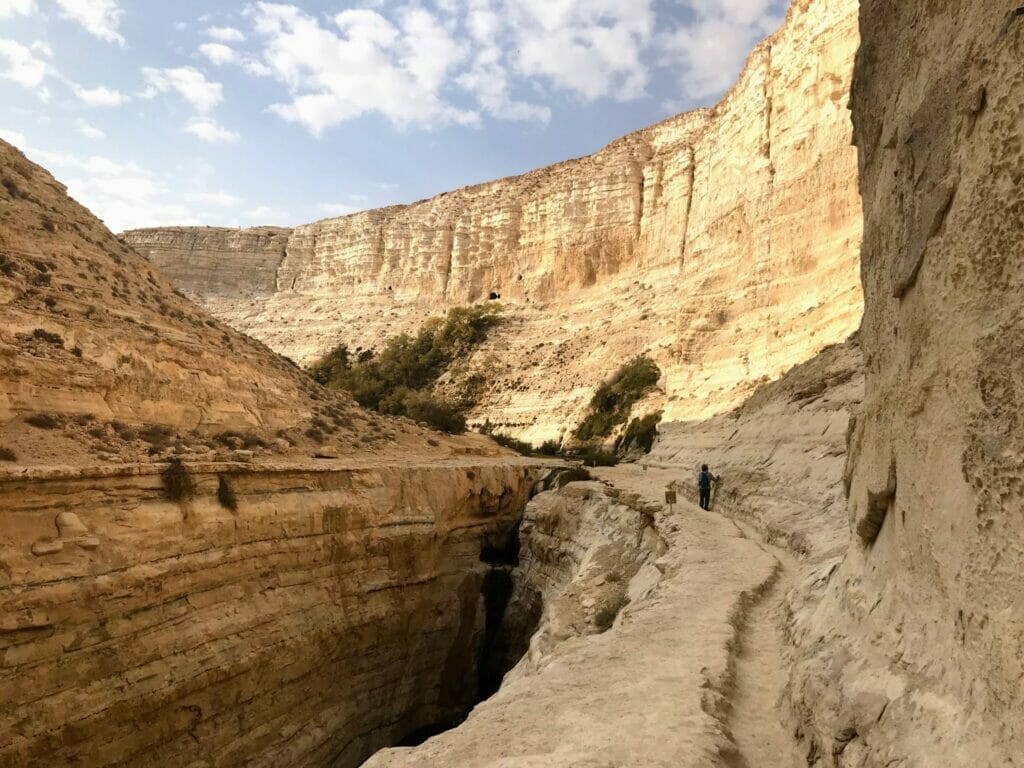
column 163, row 112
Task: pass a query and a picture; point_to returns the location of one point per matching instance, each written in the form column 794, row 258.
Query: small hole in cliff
column 494, row 296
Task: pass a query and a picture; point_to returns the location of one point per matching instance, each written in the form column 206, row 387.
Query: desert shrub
column 47, row 224
column 399, row 380
column 613, row 400
column 426, row 408
column 639, row 434
column 12, row 187
column 432, row 442
column 549, row 448
column 124, row 431
column 43, row 421
column 6, row 266
column 599, row 457
column 178, row 485
column 315, row 435
column 156, row 434
column 519, row 446
column 226, row 494
column 41, row 334
column 6, row 454
column 237, row 440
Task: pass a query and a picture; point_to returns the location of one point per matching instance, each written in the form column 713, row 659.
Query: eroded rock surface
column 913, row 656
column 722, row 242
column 331, row 613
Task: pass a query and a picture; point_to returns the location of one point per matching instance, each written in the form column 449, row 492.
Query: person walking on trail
column 704, row 484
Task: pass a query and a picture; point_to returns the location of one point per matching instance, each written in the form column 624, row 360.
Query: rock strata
column 332, row 612
column 723, row 242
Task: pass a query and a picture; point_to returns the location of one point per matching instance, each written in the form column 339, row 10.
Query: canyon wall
column 722, row 242
column 205, row 557
column 331, row 613
column 913, row 657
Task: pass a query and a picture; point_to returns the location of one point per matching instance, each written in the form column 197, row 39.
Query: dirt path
column 759, row 673
column 754, row 720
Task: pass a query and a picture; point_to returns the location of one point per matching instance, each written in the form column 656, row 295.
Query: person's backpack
column 705, row 481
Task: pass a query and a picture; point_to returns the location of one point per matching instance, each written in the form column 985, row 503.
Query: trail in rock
column 759, row 673
column 754, row 721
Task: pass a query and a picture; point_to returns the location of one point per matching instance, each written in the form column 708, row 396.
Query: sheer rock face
column 913, row 656
column 722, row 242
column 331, row 613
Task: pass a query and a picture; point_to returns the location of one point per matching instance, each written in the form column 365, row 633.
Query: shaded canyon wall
column 334, row 612
column 914, row 655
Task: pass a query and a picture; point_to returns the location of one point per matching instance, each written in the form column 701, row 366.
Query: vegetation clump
column 43, row 421
column 639, row 435
column 178, row 485
column 613, row 400
column 6, row 454
column 399, row 380
column 226, row 494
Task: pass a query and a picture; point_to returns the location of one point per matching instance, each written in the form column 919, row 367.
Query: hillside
column 102, row 361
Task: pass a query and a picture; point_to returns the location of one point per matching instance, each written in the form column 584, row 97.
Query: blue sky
column 241, row 113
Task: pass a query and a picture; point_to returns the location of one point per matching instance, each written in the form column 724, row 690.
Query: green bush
column 613, row 400
column 549, row 448
column 518, row 446
column 398, row 381
column 639, row 434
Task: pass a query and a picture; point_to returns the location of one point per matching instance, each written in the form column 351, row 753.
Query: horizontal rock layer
column 722, row 242
column 332, row 613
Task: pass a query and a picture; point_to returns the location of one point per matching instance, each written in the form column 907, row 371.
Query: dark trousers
column 705, row 498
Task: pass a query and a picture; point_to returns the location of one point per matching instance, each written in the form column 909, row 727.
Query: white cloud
column 210, row 130
column 88, row 130
column 591, row 47
column 364, row 64
column 14, row 137
column 125, row 195
column 385, row 186
column 101, row 18
column 338, row 209
column 99, row 96
column 187, row 82
column 221, row 199
column 225, row 34
column 709, row 52
column 10, row 8
column 218, row 53
column 22, row 65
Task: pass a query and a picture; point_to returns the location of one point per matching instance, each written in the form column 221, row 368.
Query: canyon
column 208, row 559
column 723, row 243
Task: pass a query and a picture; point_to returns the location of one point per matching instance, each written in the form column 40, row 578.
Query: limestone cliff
column 333, row 612
column 914, row 656
column 723, row 242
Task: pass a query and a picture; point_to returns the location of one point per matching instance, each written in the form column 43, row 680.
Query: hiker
column 704, row 483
